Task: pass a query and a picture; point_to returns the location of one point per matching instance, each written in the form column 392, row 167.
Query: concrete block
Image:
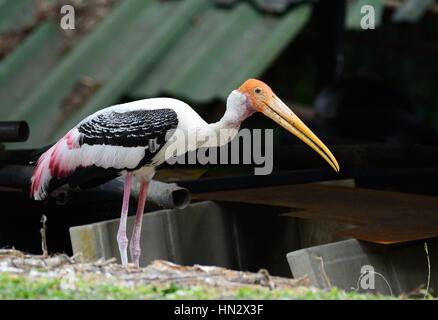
column 201, row 233
column 396, row 269
column 233, row 235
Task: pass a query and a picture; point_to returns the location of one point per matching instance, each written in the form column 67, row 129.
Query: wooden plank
column 380, row 216
column 393, row 232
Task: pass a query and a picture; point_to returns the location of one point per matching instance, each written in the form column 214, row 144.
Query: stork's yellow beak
column 278, row 111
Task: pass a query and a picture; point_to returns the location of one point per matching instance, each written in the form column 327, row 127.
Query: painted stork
column 129, row 140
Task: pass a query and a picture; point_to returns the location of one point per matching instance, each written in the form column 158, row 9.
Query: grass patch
column 15, row 286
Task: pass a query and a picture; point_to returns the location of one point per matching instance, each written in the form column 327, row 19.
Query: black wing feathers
column 139, row 128
column 129, row 129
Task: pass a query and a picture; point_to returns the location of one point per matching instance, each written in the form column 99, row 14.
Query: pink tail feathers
column 41, row 176
column 55, row 162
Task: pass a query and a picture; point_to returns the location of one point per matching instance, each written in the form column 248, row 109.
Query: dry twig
column 323, row 273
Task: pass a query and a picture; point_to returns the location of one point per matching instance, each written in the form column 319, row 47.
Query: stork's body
column 132, row 139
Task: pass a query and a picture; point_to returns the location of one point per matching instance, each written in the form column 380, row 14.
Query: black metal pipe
column 165, row 195
column 161, row 194
column 15, row 176
column 13, row 131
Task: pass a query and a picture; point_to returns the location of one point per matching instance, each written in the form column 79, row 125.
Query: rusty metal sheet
column 379, row 216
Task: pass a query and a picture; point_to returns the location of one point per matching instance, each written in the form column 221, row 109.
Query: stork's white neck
column 237, row 110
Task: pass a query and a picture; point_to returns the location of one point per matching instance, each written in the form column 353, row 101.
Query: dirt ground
column 69, row 273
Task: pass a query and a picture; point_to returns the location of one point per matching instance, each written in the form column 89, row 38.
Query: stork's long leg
column 134, row 246
column 122, row 239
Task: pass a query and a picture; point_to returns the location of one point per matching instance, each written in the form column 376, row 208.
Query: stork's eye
column 258, row 90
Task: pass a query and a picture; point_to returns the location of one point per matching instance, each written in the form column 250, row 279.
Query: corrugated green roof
column 218, row 52
column 15, row 13
column 191, row 49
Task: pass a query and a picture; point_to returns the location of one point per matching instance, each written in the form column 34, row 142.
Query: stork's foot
column 134, row 248
column 122, row 241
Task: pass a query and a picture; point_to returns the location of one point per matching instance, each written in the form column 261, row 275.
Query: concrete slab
column 392, row 269
column 201, row 233
column 233, row 235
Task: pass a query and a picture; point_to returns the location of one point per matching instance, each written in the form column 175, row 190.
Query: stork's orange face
column 262, row 99
column 257, row 93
